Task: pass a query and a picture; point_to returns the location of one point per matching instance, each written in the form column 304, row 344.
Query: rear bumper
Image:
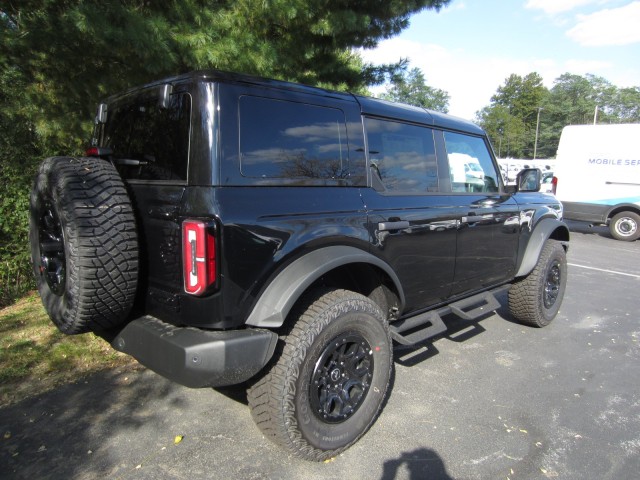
column 193, row 357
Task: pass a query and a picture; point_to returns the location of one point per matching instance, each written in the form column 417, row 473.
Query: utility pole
column 535, row 144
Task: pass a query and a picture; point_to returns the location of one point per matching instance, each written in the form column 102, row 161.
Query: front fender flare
column 542, row 231
column 281, row 294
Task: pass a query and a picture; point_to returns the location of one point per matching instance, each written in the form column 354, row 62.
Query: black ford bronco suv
column 225, row 229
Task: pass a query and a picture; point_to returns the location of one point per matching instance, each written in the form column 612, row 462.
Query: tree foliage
column 19, row 145
column 411, row 88
column 506, row 131
column 512, row 117
column 73, row 52
column 58, row 58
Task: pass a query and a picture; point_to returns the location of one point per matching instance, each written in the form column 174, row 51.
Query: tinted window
column 403, row 156
column 282, row 139
column 150, row 142
column 470, row 164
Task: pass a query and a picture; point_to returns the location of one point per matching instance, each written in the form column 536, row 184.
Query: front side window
column 150, row 142
column 402, row 156
column 470, row 164
column 283, row 139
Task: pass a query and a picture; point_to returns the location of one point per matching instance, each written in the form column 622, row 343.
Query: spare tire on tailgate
column 84, row 245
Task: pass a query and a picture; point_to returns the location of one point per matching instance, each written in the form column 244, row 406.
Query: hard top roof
column 368, row 106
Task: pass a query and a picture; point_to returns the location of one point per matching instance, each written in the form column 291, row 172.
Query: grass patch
column 36, row 357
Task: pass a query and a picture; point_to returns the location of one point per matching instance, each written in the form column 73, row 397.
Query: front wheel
column 624, row 226
column 536, row 298
column 327, row 384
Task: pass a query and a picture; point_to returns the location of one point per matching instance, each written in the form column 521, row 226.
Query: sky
column 470, row 47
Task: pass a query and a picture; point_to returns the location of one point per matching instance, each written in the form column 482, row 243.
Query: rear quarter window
column 291, row 140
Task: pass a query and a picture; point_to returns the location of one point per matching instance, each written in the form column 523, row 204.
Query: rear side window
column 403, row 156
column 149, row 142
column 470, row 164
column 283, row 139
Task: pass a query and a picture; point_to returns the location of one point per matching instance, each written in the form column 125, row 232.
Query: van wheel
column 624, row 226
column 536, row 299
column 84, row 245
column 329, row 377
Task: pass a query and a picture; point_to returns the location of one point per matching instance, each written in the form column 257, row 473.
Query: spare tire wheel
column 84, row 244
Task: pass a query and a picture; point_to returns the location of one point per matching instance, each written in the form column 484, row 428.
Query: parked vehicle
column 598, row 176
column 548, row 184
column 226, row 229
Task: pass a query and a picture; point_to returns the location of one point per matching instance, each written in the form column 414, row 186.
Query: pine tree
column 71, row 53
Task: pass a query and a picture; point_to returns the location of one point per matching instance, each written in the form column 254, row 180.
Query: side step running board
column 416, row 329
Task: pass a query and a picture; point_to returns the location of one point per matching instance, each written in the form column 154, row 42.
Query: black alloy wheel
column 552, row 285
column 341, row 378
column 52, row 255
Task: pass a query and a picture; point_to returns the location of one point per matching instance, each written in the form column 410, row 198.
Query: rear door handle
column 385, row 226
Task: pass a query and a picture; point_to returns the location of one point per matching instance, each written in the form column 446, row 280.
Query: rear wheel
column 624, row 226
column 536, row 299
column 327, row 384
column 83, row 244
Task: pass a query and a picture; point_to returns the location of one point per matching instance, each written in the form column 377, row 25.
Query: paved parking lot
column 493, row 399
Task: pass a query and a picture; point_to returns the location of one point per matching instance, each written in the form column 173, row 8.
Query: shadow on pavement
column 68, row 432
column 420, row 464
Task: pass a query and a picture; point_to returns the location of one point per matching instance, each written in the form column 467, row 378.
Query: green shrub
column 15, row 271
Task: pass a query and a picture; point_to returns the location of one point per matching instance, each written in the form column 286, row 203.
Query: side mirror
column 529, row 180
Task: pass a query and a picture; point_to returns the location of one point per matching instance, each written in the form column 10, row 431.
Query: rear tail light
column 554, row 184
column 98, row 152
column 199, row 257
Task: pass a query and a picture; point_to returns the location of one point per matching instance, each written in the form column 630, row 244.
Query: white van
column 598, row 176
column 466, row 172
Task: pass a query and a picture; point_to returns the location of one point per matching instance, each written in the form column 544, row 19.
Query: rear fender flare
column 283, row 292
column 542, row 231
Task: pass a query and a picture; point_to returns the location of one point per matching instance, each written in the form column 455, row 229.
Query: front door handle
column 473, row 218
column 386, row 226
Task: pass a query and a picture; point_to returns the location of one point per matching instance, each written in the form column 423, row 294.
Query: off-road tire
column 625, row 226
column 284, row 402
column 535, row 299
column 84, row 244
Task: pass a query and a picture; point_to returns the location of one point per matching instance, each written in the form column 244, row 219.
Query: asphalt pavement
column 490, row 400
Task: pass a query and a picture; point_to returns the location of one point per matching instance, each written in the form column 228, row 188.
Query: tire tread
column 271, row 396
column 525, row 302
column 102, row 255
